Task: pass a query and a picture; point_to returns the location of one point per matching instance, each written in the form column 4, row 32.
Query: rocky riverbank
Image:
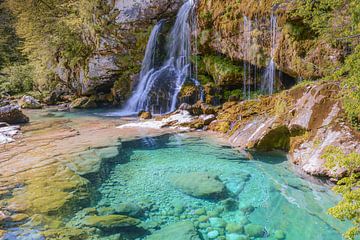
column 303, row 121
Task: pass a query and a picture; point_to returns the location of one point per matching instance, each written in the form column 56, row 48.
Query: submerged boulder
column 176, row 231
column 12, row 114
column 200, row 184
column 29, row 102
column 129, row 209
column 255, row 230
column 110, row 221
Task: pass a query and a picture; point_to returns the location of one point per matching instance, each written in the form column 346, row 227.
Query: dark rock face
column 12, row 114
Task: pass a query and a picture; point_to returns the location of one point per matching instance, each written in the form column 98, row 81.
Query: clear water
column 282, row 200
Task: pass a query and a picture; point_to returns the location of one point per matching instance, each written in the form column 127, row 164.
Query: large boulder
column 83, row 103
column 176, row 231
column 12, row 114
column 200, row 184
column 29, row 102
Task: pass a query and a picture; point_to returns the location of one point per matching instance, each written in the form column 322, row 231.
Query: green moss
column 277, row 138
column 237, row 93
column 205, row 79
column 223, row 70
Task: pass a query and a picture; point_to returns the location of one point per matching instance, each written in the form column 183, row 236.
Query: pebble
column 213, row 234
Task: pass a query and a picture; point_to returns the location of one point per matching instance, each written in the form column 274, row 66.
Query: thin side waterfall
column 268, row 82
column 247, row 65
column 160, row 86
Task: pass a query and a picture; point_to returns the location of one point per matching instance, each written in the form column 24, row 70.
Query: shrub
column 16, row 79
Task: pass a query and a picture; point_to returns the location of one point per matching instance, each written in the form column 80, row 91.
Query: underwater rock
column 230, row 204
column 68, row 233
column 12, row 114
column 213, row 234
column 279, row 235
column 110, row 221
column 233, row 227
column 246, row 208
column 254, row 230
column 234, row 236
column 217, row 222
column 176, row 231
column 129, row 209
column 29, row 102
column 201, row 185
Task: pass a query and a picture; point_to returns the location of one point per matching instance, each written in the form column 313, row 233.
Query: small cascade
column 160, row 85
column 268, row 81
column 247, row 65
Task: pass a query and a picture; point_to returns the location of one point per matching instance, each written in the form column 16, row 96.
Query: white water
column 159, row 87
column 267, row 84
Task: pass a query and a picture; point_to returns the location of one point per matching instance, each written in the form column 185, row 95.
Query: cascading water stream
column 160, row 86
column 267, row 85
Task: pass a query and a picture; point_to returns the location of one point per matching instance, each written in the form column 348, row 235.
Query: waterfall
column 160, row 86
column 247, row 65
column 268, row 81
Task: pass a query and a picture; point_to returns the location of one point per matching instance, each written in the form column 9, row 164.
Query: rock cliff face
column 118, row 48
column 304, row 121
column 242, row 32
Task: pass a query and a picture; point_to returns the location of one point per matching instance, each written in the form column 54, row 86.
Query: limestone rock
column 145, row 115
column 83, row 103
column 200, row 184
column 110, row 221
column 7, row 133
column 207, row 118
column 176, row 231
column 12, row 114
column 29, row 102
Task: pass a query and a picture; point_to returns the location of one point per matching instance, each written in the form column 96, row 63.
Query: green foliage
column 54, row 30
column 238, row 93
column 9, row 41
column 349, row 75
column 16, row 79
column 222, row 70
column 349, row 187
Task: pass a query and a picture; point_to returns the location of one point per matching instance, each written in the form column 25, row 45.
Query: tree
column 349, row 187
column 9, row 41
